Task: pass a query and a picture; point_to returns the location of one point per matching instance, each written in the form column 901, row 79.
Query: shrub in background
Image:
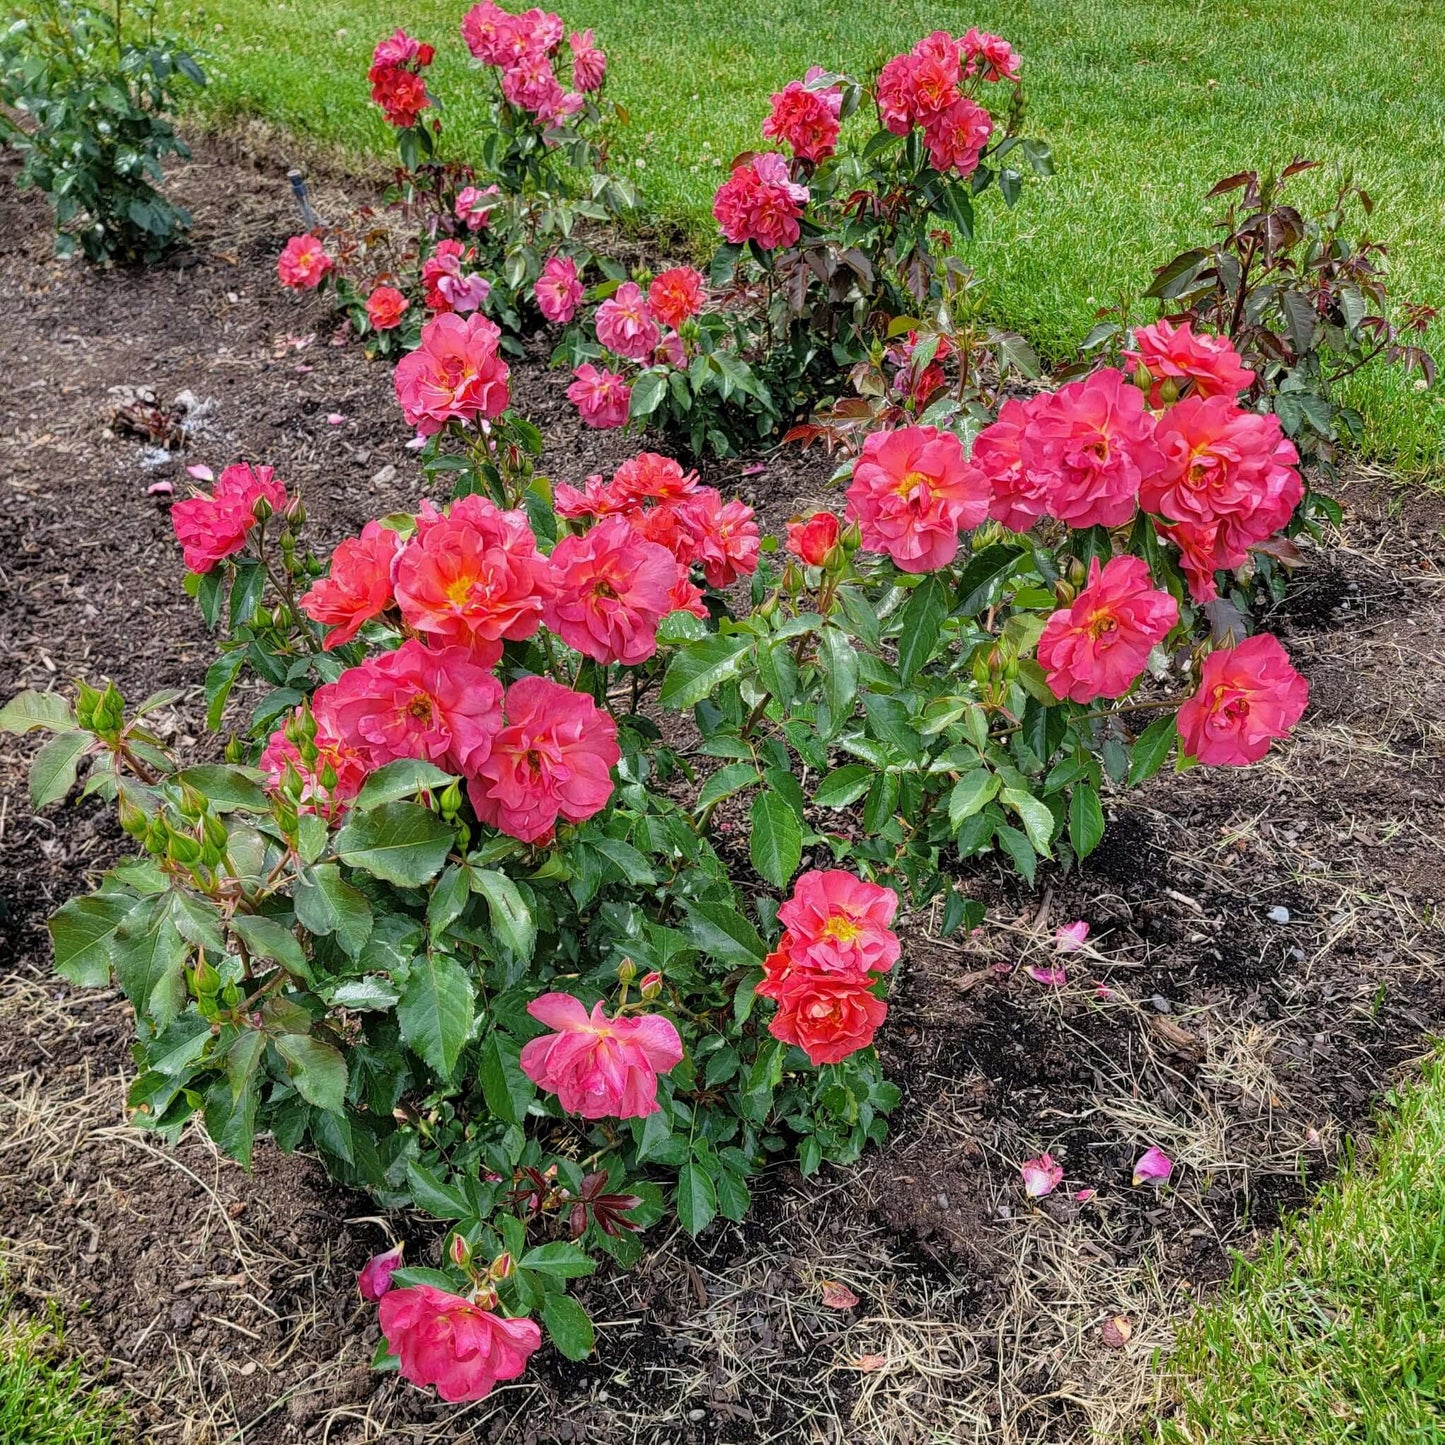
column 96, row 86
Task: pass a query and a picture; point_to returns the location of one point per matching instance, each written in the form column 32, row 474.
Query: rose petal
column 1041, row 1176
column 1117, row 1332
column 161, row 489
column 335, row 419
column 1054, row 977
column 838, row 1296
column 1153, row 1164
column 201, row 474
column 1085, row 1195
column 870, row 1364
column 1069, row 938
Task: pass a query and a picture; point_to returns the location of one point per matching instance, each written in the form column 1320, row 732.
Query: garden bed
column 1243, row 1045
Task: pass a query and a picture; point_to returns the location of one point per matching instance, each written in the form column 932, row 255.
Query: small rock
column 1278, row 914
column 1161, row 1004
column 696, row 1415
column 385, row 476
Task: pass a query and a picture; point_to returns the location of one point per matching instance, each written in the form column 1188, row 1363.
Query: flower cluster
column 928, row 88
column 524, row 49
column 761, row 203
column 397, row 84
column 837, row 943
column 212, row 528
column 806, row 116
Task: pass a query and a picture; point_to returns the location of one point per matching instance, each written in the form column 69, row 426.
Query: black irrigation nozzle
column 303, row 199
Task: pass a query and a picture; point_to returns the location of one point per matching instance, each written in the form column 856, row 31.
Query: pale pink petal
column 1054, row 977
column 1154, row 1164
column 1041, row 1176
column 1070, row 937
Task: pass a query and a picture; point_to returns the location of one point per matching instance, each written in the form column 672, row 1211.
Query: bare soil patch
column 1245, row 1046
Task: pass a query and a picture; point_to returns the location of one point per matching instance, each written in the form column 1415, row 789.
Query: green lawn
column 44, row 1398
column 1337, row 1333
column 1146, row 102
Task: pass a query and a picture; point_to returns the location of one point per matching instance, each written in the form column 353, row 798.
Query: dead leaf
column 838, row 1296
column 870, row 1364
column 1117, row 1332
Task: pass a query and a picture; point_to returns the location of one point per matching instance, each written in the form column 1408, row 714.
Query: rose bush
column 551, row 877
column 827, row 247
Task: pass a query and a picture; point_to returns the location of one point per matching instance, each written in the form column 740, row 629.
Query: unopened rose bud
column 651, row 985
column 460, row 1251
column 626, row 971
column 296, row 513
column 501, row 1267
column 1142, row 378
column 262, row 510
column 1169, row 390
column 451, row 799
column 132, row 818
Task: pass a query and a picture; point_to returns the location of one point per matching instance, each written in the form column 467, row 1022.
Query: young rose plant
column 468, row 914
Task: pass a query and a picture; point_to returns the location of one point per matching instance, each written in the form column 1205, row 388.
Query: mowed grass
column 45, row 1399
column 1337, row 1333
column 1146, row 103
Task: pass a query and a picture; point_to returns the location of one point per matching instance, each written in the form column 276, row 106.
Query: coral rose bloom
column 474, row 577
column 912, row 493
column 805, row 120
column 1094, row 442
column 839, row 923
column 722, row 538
column 602, row 397
column 1248, row 696
column 302, row 263
column 358, row 587
column 1207, row 365
column 559, row 290
column 441, row 706
column 400, row 93
column 957, row 135
column 811, row 540
column 613, row 588
column 990, row 56
column 759, row 202
column 454, row 375
column 599, row 1068
column 1222, row 463
column 474, row 205
column 212, row 528
column 589, row 64
column 554, row 758
column 1018, row 497
column 385, row 308
column 1099, row 645
column 829, row 1016
column 675, row 296
column 624, row 324
column 484, row 32
column 443, row 1340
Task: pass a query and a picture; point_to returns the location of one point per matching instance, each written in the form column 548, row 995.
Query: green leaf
column 149, row 956
column 839, row 664
column 52, row 774
column 559, row 1259
column 568, row 1326
column 225, row 788
column 776, row 844
column 733, row 1196
column 1038, row 821
column 724, row 934
column 647, row 393
column 198, row 921
column 511, row 919
column 984, row 570
column 507, row 1090
column 316, row 1068
column 1086, row 819
column 970, row 793
column 400, row 779
column 1019, row 850
column 699, row 669
column 428, row 1192
column 242, row 1060
column 325, row 903
column 436, row 1010
column 28, row 711
column 725, row 782
column 1151, row 749
column 82, row 932
column 696, row 1198
column 844, row 786
column 920, row 622
column 403, row 843
column 268, row 938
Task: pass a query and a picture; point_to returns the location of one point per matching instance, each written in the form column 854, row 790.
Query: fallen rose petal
column 838, row 1296
column 161, row 489
column 1117, row 1332
column 201, row 474
column 1054, row 977
column 754, row 469
column 1154, row 1164
column 1069, row 938
column 870, row 1364
column 335, row 419
column 1085, row 1195
column 416, row 444
column 1103, row 991
column 1041, row 1176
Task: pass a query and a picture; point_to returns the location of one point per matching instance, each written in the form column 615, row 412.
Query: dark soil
column 1246, row 1046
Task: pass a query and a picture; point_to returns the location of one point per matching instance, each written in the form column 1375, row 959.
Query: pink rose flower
column 624, row 324
column 722, row 538
column 302, row 263
column 485, row 29
column 990, row 56
column 651, row 477
column 599, row 1068
column 675, row 296
column 385, row 308
column 474, row 205
column 399, row 91
column 805, row 120
column 837, row 923
column 553, row 758
column 400, row 49
column 894, row 95
column 456, row 374
column 375, row 1277
column 441, row 706
column 957, row 135
column 934, row 76
column 589, row 64
column 1098, row 646
column 912, row 493
column 474, row 578
column 1094, row 442
column 212, row 528
column 344, row 767
column 529, row 84
column 1248, row 696
column 1018, row 497
column 1041, row 1176
column 559, row 291
column 613, row 588
column 447, row 287
column 358, row 586
column 1205, row 365
column 812, row 540
column 827, row 1015
column 602, row 397
column 1203, row 551
column 759, row 202
column 444, row 1340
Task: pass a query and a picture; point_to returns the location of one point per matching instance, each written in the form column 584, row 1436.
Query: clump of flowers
column 397, row 83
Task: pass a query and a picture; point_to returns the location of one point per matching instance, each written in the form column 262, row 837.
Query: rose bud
column 375, row 1278
column 460, row 1251
column 501, row 1267
column 812, row 540
column 651, row 985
